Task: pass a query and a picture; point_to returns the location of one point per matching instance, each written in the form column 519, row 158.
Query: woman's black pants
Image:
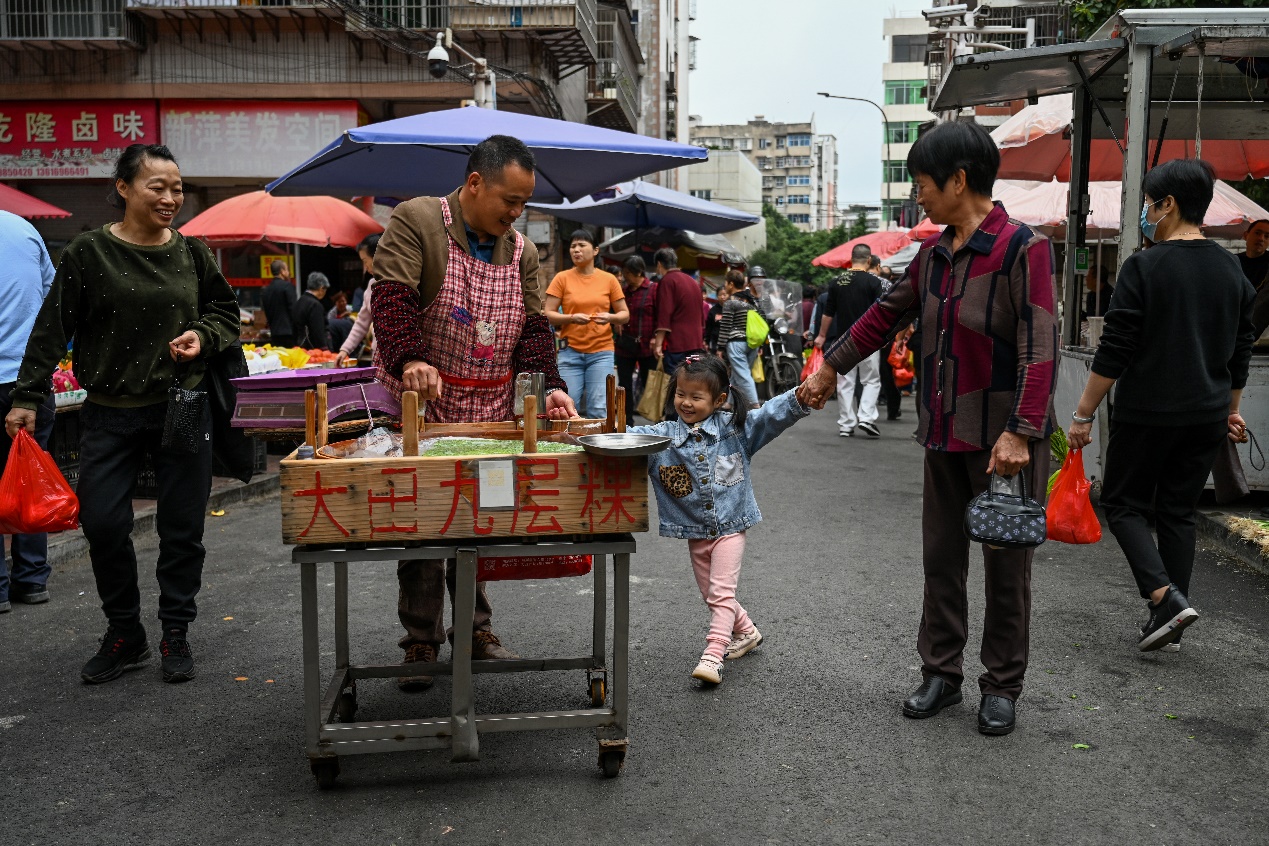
column 108, row 468
column 1159, row 470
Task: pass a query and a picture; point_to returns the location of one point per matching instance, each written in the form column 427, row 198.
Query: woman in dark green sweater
column 145, row 308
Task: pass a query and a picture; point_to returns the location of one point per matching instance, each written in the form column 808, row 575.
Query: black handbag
column 1007, row 519
column 183, row 425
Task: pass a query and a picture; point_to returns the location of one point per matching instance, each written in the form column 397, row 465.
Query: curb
column 1214, row 527
column 68, row 547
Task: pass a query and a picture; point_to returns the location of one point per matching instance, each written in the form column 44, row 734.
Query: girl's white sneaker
column 744, row 643
column 709, row 670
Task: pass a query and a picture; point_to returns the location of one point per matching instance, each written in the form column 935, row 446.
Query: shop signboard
column 252, row 139
column 71, row 139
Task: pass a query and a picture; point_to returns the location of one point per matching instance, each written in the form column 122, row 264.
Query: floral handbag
column 1003, row 516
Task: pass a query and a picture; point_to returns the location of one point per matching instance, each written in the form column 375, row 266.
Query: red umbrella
column 882, row 244
column 24, row 205
column 312, row 221
column 924, row 230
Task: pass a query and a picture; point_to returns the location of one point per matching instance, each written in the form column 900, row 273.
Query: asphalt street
column 803, row 743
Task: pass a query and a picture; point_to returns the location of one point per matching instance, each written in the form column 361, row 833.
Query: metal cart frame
column 330, row 729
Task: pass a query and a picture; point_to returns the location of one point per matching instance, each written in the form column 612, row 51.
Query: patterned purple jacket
column 988, row 334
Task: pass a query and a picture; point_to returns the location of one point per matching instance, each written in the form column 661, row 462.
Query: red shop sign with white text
column 71, row 139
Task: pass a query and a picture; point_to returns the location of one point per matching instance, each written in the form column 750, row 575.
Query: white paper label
column 497, row 484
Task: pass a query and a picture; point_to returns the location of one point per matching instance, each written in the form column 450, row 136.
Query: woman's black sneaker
column 178, row 661
column 1167, row 620
column 120, row 650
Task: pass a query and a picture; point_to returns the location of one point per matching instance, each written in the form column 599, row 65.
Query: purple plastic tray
column 292, row 379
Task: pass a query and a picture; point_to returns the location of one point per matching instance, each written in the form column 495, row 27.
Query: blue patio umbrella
column 640, row 205
column 426, row 154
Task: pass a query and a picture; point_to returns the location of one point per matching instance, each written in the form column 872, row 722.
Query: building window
column 768, row 182
column 779, row 181
column 800, row 161
column 903, row 132
column 799, row 218
column 907, row 48
column 725, row 144
column 764, row 162
column 799, row 180
column 701, row 193
column 764, row 143
column 780, row 139
column 799, row 199
column 766, row 199
column 744, row 143
column 799, row 140
column 779, row 201
column 896, row 171
column 905, row 92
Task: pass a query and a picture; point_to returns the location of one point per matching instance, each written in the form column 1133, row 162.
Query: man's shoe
column 743, row 643
column 1174, row 646
column 995, row 715
column 1167, row 620
column 6, row 606
column 869, row 429
column 119, row 651
column 845, row 433
column 709, row 670
column 178, row 661
column 932, row 696
column 31, row 597
column 418, row 653
column 485, row 646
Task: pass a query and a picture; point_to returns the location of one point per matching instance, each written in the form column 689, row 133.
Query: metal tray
column 623, row 444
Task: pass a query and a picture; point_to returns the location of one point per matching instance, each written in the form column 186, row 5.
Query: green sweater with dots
column 121, row 303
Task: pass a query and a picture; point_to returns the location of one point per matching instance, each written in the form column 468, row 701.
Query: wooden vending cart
column 517, row 515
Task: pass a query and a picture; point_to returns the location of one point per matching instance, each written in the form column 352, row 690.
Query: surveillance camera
column 945, row 12
column 437, row 61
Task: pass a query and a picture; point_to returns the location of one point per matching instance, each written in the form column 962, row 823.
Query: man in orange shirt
column 583, row 304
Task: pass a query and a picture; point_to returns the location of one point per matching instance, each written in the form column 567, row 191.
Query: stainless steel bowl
column 623, row 444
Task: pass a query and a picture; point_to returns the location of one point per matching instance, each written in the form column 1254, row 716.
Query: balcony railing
column 615, row 77
column 41, row 23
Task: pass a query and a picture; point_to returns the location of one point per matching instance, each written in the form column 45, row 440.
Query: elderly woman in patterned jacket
column 985, row 295
column 458, row 309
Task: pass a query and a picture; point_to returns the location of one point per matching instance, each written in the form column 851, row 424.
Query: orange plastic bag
column 900, row 360
column 813, row 363
column 1069, row 516
column 34, row 496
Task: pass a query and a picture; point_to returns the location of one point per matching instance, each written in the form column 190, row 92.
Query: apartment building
column 729, row 178
column 797, row 164
column 668, row 48
column 905, row 84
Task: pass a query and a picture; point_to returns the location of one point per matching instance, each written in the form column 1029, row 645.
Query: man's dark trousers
column 952, row 479
column 30, row 570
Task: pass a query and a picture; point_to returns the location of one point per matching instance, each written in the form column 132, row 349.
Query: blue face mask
column 1148, row 228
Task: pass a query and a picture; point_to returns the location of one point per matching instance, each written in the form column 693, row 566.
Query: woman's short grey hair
column 317, row 281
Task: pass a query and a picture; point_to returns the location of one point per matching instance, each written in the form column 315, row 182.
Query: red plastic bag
column 898, row 354
column 1069, row 515
column 34, row 496
column 900, row 360
column 813, row 363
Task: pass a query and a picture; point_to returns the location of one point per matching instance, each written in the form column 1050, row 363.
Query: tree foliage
column 1088, row 15
column 789, row 250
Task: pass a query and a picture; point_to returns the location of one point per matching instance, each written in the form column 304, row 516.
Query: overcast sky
column 770, row 57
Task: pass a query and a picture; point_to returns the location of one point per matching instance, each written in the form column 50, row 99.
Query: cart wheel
column 325, row 770
column 346, row 706
column 610, row 761
column 598, row 692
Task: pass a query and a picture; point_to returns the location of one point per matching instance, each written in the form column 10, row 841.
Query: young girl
column 704, row 492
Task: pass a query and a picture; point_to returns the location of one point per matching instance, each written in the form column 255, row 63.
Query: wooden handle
column 310, row 417
column 530, row 424
column 322, row 415
column 621, row 410
column 410, row 423
column 610, row 386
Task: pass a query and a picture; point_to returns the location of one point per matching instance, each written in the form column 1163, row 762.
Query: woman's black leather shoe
column 995, row 715
column 932, row 696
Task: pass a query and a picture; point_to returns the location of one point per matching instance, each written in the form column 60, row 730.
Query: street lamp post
column 885, row 182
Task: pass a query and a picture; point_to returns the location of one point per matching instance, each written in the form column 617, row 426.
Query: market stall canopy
column 427, row 154
column 257, row 216
column 24, row 205
column 882, row 244
column 638, row 205
column 1044, row 205
column 924, row 230
column 1035, row 144
column 713, row 247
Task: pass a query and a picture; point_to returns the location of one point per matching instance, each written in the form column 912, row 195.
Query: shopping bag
column 756, row 329
column 1070, row 512
column 34, row 496
column 656, row 387
column 758, row 372
column 813, row 363
column 898, row 354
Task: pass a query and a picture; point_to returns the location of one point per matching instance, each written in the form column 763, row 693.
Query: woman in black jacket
column 1177, row 339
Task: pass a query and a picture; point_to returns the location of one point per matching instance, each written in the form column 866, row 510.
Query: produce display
column 66, row 390
column 384, row 443
column 267, row 358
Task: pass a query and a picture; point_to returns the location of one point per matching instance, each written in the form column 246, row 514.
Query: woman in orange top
column 583, row 304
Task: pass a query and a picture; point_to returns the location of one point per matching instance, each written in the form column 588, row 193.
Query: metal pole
column 1077, row 211
column 1137, row 143
column 885, row 122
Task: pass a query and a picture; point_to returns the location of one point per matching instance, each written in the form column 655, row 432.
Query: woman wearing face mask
column 1177, row 339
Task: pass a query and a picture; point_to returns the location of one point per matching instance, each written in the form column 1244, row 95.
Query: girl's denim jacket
column 702, row 479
